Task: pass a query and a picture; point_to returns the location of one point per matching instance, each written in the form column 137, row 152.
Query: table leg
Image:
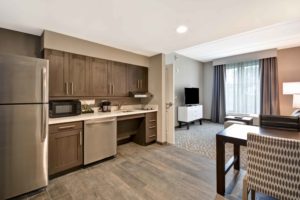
column 220, row 166
column 236, row 150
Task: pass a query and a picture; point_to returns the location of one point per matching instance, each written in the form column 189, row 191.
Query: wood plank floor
column 155, row 172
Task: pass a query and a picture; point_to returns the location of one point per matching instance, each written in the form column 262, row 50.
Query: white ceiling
column 282, row 35
column 145, row 26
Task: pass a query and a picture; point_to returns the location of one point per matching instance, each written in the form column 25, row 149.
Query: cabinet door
column 78, row 75
column 137, row 78
column 98, row 77
column 118, row 79
column 65, row 150
column 58, row 72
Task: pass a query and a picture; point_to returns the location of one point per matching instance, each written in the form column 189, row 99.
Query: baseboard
column 161, row 143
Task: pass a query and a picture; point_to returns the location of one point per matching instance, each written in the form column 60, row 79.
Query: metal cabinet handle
column 67, row 88
column 72, row 88
column 66, row 127
column 152, row 136
column 113, row 89
column 151, row 127
column 80, row 139
column 99, row 122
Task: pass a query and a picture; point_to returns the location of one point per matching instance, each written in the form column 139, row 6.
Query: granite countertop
column 98, row 115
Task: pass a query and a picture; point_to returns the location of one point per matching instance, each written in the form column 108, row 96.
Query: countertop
column 97, row 115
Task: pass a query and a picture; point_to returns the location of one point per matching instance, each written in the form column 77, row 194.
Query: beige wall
column 13, row 42
column 288, row 71
column 188, row 73
column 52, row 40
column 156, row 83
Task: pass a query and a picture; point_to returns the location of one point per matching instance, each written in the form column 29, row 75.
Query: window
column 242, row 88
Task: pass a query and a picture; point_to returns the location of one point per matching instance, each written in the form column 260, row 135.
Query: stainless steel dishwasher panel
column 100, row 139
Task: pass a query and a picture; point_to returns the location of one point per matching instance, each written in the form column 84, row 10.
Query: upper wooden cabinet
column 78, row 75
column 99, row 77
column 82, row 76
column 58, row 72
column 117, row 79
column 137, row 78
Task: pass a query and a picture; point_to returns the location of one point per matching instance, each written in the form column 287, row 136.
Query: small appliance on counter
column 64, row 108
column 86, row 108
column 105, row 106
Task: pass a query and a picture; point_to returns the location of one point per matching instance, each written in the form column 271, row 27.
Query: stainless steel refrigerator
column 23, row 125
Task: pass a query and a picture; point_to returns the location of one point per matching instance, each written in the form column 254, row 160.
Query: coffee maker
column 105, row 106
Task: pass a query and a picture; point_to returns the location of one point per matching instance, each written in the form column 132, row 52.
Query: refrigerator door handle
column 44, row 85
column 44, row 126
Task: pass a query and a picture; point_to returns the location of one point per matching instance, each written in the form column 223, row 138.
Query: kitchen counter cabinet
column 65, row 147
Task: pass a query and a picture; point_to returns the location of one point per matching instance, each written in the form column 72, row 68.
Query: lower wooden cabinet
column 151, row 127
column 65, row 147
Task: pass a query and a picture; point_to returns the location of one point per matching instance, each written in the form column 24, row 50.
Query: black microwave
column 64, row 108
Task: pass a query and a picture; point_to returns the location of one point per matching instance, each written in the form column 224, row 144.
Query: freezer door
column 23, row 148
column 23, row 80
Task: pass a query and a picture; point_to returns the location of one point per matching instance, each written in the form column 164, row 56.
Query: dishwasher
column 100, row 139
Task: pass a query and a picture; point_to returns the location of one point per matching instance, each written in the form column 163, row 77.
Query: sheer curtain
column 242, row 88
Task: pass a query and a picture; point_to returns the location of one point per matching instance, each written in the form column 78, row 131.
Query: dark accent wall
column 13, row 42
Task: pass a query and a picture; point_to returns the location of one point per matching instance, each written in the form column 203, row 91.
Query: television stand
column 189, row 114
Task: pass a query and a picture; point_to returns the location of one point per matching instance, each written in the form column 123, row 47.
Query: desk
column 237, row 135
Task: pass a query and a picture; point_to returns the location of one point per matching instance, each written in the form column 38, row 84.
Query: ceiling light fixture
column 181, row 29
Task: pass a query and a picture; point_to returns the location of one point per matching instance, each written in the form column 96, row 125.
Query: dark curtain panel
column 269, row 92
column 218, row 101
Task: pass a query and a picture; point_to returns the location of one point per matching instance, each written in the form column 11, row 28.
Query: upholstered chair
column 273, row 167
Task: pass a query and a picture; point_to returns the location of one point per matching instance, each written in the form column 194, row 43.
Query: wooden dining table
column 237, row 135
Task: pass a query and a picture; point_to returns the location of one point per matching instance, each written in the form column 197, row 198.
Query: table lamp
column 293, row 88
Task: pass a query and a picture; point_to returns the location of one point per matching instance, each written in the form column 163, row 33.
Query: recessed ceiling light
column 181, row 29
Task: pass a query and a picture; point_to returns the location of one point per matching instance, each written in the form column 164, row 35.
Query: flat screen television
column 191, row 96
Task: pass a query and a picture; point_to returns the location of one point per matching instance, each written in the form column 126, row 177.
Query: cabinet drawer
column 65, row 127
column 151, row 134
column 151, row 117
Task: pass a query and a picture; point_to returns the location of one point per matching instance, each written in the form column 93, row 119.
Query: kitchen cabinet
column 98, row 77
column 141, row 128
column 58, row 72
column 68, row 74
column 78, row 75
column 151, row 127
column 65, row 147
column 117, row 80
column 72, row 75
column 137, row 78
